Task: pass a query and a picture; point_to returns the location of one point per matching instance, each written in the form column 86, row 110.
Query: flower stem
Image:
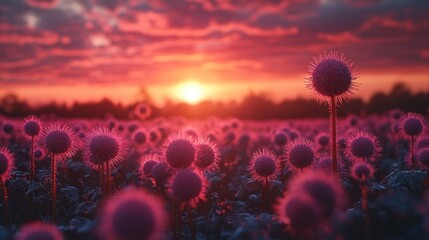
column 364, row 191
column 54, row 188
column 267, row 187
column 32, row 165
column 413, row 164
column 191, row 221
column 333, row 111
column 108, row 180
column 5, row 203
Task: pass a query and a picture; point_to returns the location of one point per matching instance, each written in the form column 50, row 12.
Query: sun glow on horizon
column 191, row 92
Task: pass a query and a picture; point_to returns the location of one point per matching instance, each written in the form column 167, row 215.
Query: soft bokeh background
column 195, row 50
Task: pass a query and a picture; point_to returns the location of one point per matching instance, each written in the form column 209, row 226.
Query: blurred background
column 197, row 58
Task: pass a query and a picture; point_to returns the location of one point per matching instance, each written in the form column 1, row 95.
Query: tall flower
column 6, row 165
column 104, row 150
column 412, row 125
column 332, row 79
column 32, row 128
column 60, row 143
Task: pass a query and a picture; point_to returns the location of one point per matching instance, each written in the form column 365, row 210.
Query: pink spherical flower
column 422, row 142
column 207, row 155
column 104, row 146
column 363, row 146
column 331, row 75
column 323, row 189
column 6, row 163
column 180, row 151
column 362, row 171
column 147, row 162
column 300, row 154
column 39, row 231
column 60, row 141
column 412, row 125
column 322, row 140
column 264, row 165
column 300, row 212
column 143, row 111
column 32, row 126
column 139, row 137
column 422, row 157
column 187, row 187
column 132, row 215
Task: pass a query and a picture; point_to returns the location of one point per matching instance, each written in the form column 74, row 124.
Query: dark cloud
column 113, row 41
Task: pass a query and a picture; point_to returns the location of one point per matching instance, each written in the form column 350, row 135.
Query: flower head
column 32, row 126
column 139, row 137
column 104, row 146
column 39, row 153
column 363, row 146
column 323, row 189
column 423, row 157
column 132, row 215
column 6, row 163
column 280, row 138
column 142, row 111
column 322, row 140
column 299, row 211
column 161, row 171
column 264, row 165
column 60, row 140
column 147, row 162
column 180, row 151
column 39, row 231
column 331, row 75
column 412, row 124
column 422, row 142
column 362, row 171
column 300, row 154
column 8, row 128
column 187, row 186
column 207, row 155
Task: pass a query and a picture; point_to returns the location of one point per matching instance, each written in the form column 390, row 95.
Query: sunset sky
column 193, row 50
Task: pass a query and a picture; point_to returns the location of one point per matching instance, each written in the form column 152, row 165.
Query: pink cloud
column 42, row 38
column 388, row 21
column 141, row 26
column 345, row 37
column 233, row 64
column 42, row 3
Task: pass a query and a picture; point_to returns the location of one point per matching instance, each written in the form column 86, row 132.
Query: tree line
column 253, row 106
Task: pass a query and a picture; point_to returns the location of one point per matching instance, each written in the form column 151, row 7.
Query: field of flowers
column 215, row 179
column 360, row 177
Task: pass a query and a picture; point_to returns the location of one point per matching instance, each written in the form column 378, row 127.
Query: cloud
column 47, row 4
column 163, row 41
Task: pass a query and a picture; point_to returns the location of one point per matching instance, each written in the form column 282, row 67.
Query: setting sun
column 191, row 92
